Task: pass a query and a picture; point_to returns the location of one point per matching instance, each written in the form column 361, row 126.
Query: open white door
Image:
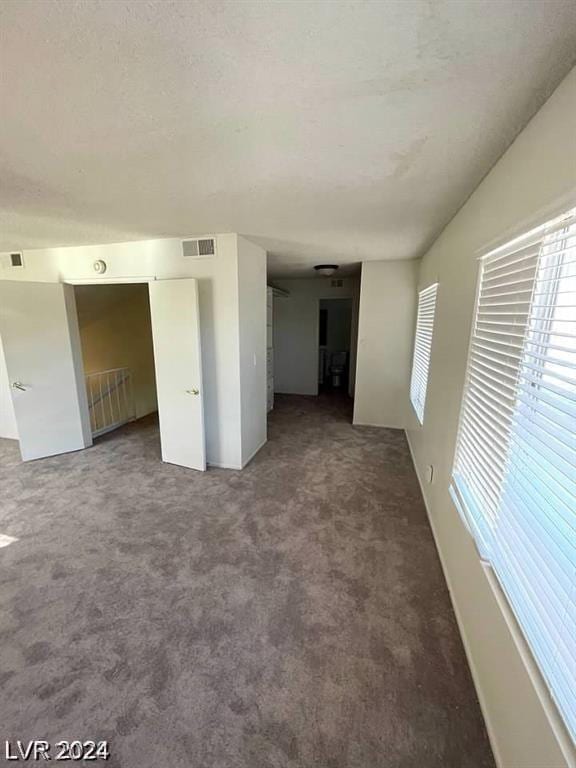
column 39, row 330
column 178, row 362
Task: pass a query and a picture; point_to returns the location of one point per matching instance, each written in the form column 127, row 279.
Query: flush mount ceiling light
column 326, row 269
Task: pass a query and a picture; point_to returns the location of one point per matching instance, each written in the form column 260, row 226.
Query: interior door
column 41, row 340
column 178, row 362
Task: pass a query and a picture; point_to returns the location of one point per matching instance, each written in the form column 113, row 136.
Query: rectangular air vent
column 16, row 260
column 337, row 283
column 199, row 249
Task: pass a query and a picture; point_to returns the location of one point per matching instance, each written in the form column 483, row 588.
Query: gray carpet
column 293, row 614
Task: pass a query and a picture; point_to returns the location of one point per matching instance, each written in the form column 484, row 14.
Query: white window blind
column 422, row 347
column 515, row 467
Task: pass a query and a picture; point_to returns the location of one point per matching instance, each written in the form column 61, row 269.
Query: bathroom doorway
column 334, row 344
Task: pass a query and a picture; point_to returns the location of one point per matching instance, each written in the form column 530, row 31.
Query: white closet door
column 178, row 362
column 41, row 341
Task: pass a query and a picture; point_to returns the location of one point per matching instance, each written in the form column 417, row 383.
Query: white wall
column 385, row 340
column 354, row 341
column 252, row 330
column 296, row 320
column 8, row 426
column 219, row 314
column 535, row 179
column 295, row 345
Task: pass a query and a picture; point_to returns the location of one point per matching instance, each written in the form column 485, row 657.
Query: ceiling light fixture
column 326, row 269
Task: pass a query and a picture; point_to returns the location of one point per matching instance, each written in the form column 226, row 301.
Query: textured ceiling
column 325, row 131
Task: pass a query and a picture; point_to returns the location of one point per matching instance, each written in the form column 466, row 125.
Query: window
column 514, row 476
column 422, row 347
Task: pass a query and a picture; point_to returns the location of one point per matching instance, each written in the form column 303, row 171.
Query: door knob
column 18, row 385
column 193, row 391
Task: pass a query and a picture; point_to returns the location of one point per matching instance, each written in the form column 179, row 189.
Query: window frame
column 497, row 580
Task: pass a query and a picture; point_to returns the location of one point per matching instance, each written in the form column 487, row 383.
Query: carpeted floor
column 290, row 615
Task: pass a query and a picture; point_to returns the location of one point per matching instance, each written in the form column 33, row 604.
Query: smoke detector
column 326, row 270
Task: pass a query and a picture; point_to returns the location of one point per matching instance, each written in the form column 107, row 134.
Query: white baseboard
column 465, row 643
column 249, row 459
column 557, row 726
column 221, row 465
column 379, row 426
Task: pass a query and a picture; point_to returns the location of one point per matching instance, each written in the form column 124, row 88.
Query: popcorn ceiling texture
column 328, row 131
column 290, row 615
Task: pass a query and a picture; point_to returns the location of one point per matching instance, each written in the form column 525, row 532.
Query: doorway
column 315, row 338
column 117, row 353
column 334, row 345
column 156, row 326
column 40, row 330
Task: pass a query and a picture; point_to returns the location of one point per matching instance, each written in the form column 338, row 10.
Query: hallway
column 290, row 615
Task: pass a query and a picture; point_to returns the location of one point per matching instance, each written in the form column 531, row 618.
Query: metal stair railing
column 110, row 399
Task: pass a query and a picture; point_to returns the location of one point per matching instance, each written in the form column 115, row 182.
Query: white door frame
column 125, row 281
column 335, row 298
column 110, row 280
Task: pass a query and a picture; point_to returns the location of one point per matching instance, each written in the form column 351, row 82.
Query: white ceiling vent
column 199, row 249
